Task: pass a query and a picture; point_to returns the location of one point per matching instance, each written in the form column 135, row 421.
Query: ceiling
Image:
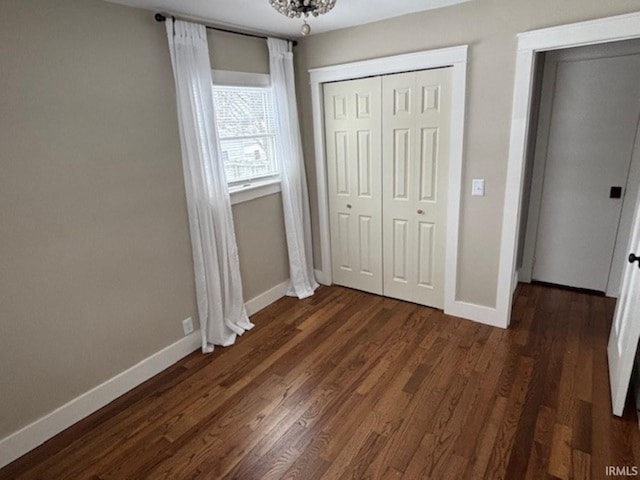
column 258, row 15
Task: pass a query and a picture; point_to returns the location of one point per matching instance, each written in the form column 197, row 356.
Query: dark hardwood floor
column 351, row 385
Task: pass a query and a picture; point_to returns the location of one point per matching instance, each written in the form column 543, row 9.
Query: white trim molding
column 252, row 190
column 265, row 299
column 455, row 57
column 591, row 32
column 26, row 439
column 444, row 57
column 475, row 312
column 321, row 278
column 603, row 30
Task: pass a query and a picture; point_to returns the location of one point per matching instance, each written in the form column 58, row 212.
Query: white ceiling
column 258, row 15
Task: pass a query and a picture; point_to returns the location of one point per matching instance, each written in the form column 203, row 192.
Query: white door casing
column 353, row 125
column 588, row 124
column 625, row 331
column 456, row 58
column 415, row 141
column 602, row 30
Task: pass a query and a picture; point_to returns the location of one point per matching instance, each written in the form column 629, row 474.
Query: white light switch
column 477, row 187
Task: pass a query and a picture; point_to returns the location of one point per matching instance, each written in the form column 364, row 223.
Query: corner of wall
column 321, row 278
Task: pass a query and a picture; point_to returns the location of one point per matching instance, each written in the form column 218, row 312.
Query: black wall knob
column 634, row 258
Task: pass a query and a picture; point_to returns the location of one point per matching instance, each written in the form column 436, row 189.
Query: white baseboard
column 321, row 278
column 267, row 298
column 468, row 311
column 524, row 275
column 38, row 432
column 477, row 313
column 35, row 434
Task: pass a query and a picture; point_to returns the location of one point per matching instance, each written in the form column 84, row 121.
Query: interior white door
column 625, row 331
column 596, row 103
column 353, row 125
column 415, row 139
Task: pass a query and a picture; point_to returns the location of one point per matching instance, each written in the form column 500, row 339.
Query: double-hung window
column 245, row 120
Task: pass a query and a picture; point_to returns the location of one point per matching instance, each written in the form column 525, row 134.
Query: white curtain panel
column 295, row 197
column 215, row 253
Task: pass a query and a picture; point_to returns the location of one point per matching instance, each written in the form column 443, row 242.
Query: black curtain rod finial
column 160, row 18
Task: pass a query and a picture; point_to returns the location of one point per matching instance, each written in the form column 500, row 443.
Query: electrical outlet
column 187, row 326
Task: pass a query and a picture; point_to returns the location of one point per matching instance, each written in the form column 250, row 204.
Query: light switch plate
column 477, row 187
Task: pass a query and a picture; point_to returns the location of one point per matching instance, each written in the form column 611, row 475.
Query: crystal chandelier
column 303, row 8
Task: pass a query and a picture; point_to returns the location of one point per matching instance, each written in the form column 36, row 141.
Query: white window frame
column 245, row 191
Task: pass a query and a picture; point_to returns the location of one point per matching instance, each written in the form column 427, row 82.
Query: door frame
column 539, row 158
column 455, row 57
column 603, row 30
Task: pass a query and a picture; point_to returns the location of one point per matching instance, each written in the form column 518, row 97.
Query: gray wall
column 238, row 53
column 489, row 27
column 96, row 271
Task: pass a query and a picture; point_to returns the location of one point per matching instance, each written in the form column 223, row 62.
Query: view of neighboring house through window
column 246, row 127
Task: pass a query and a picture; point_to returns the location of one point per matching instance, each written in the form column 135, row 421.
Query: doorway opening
column 625, row 331
column 581, row 184
column 582, row 168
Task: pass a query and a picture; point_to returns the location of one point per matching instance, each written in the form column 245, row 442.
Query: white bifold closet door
column 353, row 119
column 415, row 151
column 387, row 144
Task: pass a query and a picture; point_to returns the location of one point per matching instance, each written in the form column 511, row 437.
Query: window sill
column 241, row 194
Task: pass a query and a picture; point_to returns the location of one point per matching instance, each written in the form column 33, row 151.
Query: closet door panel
column 415, row 132
column 353, row 125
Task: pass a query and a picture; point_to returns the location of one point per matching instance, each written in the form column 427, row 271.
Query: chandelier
column 303, row 8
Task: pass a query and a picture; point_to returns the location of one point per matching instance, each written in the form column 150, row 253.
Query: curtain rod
column 161, row 18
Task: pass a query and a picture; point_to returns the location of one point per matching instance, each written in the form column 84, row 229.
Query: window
column 246, row 126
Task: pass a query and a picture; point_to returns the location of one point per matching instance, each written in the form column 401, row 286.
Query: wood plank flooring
column 351, row 385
